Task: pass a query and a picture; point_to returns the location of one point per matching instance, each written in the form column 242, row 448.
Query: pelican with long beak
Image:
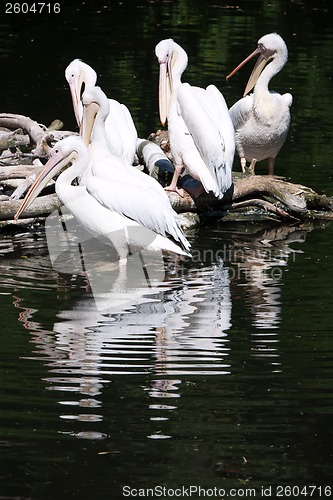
column 261, row 119
column 201, row 133
column 118, row 211
column 103, row 164
column 119, row 126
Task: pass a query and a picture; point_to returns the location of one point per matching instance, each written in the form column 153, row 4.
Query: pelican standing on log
column 117, row 211
column 201, row 133
column 120, row 129
column 262, row 119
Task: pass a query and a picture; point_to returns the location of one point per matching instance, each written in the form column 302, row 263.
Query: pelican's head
column 94, row 103
column 172, row 59
column 64, row 153
column 79, row 75
column 270, row 47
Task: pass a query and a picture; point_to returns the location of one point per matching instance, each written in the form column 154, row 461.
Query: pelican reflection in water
column 261, row 119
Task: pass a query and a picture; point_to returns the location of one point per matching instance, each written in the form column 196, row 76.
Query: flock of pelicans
column 111, row 198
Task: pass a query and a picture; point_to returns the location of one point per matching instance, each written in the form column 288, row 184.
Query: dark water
column 221, row 376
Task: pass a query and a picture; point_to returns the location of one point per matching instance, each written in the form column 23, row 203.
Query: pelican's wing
column 223, row 122
column 241, row 111
column 115, row 169
column 112, row 132
column 130, row 134
column 288, row 99
column 121, row 132
column 201, row 116
column 140, row 205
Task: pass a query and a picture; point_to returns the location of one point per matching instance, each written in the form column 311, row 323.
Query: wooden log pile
column 24, row 144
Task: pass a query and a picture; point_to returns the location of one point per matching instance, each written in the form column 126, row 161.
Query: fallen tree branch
column 44, row 205
column 41, row 207
column 13, row 139
column 35, row 131
column 18, row 172
column 268, row 194
column 40, row 135
column 266, row 205
column 282, row 191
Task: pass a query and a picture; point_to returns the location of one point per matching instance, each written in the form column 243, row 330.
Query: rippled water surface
column 217, row 373
column 221, row 376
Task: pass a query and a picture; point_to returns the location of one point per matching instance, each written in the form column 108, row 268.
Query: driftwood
column 41, row 207
column 13, row 139
column 274, row 196
column 42, row 137
column 271, row 194
column 268, row 196
column 18, row 172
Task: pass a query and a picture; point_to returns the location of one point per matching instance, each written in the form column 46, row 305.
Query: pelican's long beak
column 89, row 115
column 75, row 88
column 52, row 167
column 259, row 66
column 165, row 88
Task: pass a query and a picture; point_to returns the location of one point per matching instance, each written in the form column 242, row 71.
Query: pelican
column 120, row 129
column 118, row 211
column 262, row 119
column 200, row 129
column 102, row 163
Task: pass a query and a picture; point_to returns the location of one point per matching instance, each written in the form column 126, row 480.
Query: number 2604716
column 34, row 8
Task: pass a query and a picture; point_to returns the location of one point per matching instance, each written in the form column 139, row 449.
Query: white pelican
column 101, row 161
column 118, row 211
column 262, row 119
column 103, row 164
column 200, row 129
column 120, row 129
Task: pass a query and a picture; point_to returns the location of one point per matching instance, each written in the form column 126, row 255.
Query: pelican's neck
column 265, row 103
column 267, row 74
column 64, row 186
column 98, row 137
column 179, row 64
column 89, row 75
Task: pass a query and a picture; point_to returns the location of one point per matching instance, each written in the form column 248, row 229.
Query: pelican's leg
column 243, row 164
column 173, row 184
column 252, row 165
column 271, row 163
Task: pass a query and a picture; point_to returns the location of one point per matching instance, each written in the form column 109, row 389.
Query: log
column 284, row 192
column 323, row 204
column 18, row 172
column 41, row 207
column 271, row 196
column 35, row 131
column 13, row 139
column 40, row 135
column 56, row 125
